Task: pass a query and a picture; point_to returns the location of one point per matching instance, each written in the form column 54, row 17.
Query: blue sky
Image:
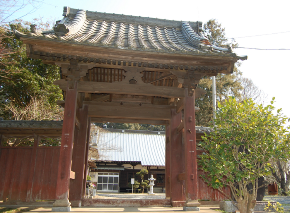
column 269, row 69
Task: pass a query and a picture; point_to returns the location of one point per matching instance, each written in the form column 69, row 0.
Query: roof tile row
column 125, row 32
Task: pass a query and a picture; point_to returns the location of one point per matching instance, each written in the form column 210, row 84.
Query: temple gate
column 126, row 69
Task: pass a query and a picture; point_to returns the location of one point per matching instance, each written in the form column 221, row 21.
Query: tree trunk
column 283, row 186
column 246, row 205
column 287, row 183
column 283, row 181
column 242, row 205
column 251, row 203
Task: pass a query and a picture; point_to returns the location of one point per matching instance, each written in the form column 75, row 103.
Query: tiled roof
column 127, row 145
column 147, row 147
column 31, row 124
column 130, row 32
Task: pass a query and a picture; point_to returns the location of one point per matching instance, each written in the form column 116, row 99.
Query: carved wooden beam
column 131, row 89
column 131, row 98
column 162, row 77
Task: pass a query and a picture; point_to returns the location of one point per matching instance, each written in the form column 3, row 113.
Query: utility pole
column 214, row 96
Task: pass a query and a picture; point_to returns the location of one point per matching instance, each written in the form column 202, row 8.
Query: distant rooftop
column 22, row 124
column 133, row 145
column 147, row 147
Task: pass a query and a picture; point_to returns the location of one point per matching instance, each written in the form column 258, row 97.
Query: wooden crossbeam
column 124, row 120
column 131, row 89
column 129, row 111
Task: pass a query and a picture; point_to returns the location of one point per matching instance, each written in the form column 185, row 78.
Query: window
column 108, row 182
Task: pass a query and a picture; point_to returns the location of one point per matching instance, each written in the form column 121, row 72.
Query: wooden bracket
column 180, row 105
column 180, row 126
column 88, row 96
column 199, row 92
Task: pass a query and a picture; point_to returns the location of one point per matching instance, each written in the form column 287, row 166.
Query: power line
column 253, row 48
column 261, row 35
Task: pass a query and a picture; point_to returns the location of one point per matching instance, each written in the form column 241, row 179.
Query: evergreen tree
column 239, row 149
column 23, row 79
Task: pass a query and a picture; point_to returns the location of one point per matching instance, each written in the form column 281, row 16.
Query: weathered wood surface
column 39, row 47
column 85, row 172
column 78, row 158
column 206, row 192
column 67, row 137
column 121, row 120
column 191, row 178
column 176, row 161
column 129, row 111
column 131, row 89
column 20, row 167
column 167, row 161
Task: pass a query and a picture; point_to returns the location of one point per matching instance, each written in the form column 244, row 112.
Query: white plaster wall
column 94, row 176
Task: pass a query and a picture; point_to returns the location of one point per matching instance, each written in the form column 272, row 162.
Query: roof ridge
column 130, row 19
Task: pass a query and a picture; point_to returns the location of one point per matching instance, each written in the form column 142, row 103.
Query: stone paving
column 129, row 196
column 284, row 200
column 121, row 209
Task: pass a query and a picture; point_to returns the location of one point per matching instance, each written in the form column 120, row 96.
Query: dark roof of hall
column 130, row 32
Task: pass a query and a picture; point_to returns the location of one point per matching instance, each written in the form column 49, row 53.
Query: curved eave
column 201, row 53
column 84, row 50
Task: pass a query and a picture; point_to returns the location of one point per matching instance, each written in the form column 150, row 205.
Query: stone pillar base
column 190, row 208
column 76, row 203
column 62, row 205
column 61, row 209
column 192, row 203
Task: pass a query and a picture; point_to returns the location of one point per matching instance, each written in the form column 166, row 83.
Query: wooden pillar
column 1, row 142
column 191, row 178
column 78, row 159
column 167, row 162
column 67, row 137
column 86, row 156
column 177, row 179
